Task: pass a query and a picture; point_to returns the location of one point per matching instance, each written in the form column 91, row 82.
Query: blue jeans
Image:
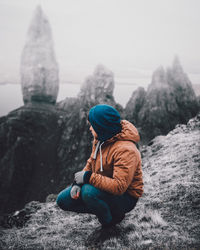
column 95, row 201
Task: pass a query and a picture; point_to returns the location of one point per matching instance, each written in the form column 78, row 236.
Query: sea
column 11, row 94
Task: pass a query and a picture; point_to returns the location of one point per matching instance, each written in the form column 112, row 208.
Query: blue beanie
column 105, row 121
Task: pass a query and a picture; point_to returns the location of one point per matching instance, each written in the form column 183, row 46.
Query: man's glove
column 82, row 177
column 75, row 192
column 79, row 177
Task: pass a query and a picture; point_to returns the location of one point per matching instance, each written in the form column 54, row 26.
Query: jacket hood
column 128, row 133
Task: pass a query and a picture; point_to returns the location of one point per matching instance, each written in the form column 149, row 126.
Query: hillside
column 166, row 217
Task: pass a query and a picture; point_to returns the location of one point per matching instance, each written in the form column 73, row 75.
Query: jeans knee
column 87, row 193
column 63, row 199
column 59, row 201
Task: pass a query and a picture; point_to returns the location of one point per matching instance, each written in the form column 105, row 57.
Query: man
column 111, row 183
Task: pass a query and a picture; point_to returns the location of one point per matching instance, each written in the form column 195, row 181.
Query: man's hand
column 75, row 192
column 79, row 177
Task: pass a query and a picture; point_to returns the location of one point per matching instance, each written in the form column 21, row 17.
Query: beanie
column 105, row 121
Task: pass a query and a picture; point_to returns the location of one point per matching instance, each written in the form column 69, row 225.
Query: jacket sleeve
column 88, row 166
column 124, row 167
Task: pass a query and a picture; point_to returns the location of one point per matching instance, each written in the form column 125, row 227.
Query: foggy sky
column 130, row 37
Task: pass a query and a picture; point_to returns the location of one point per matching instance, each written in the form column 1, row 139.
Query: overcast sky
column 130, row 37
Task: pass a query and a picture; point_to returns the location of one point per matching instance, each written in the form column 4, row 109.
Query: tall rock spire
column 169, row 100
column 39, row 69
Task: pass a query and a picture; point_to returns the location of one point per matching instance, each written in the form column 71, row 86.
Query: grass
column 166, row 217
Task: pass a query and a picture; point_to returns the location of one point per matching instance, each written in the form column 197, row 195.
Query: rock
column 51, row 198
column 29, row 140
column 169, row 100
column 41, row 147
column 99, row 87
column 39, row 69
column 19, row 218
column 194, row 123
column 165, row 217
column 134, row 105
column 183, row 92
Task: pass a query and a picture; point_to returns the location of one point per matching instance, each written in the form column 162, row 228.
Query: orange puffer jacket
column 117, row 167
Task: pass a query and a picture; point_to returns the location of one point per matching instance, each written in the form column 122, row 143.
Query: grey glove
column 75, row 192
column 79, row 177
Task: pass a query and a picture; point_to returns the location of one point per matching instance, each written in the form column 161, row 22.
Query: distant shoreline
column 78, row 83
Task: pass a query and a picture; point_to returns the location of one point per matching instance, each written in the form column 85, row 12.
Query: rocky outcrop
column 39, row 69
column 135, row 104
column 99, row 87
column 29, row 139
column 30, row 135
column 169, row 100
column 19, row 218
column 41, row 147
column 184, row 94
column 166, row 217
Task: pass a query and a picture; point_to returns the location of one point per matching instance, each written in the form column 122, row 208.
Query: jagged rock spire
column 39, row 69
column 169, row 100
column 159, row 79
column 176, row 65
column 99, row 87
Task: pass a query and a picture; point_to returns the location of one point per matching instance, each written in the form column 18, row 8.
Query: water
column 11, row 95
column 10, row 98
